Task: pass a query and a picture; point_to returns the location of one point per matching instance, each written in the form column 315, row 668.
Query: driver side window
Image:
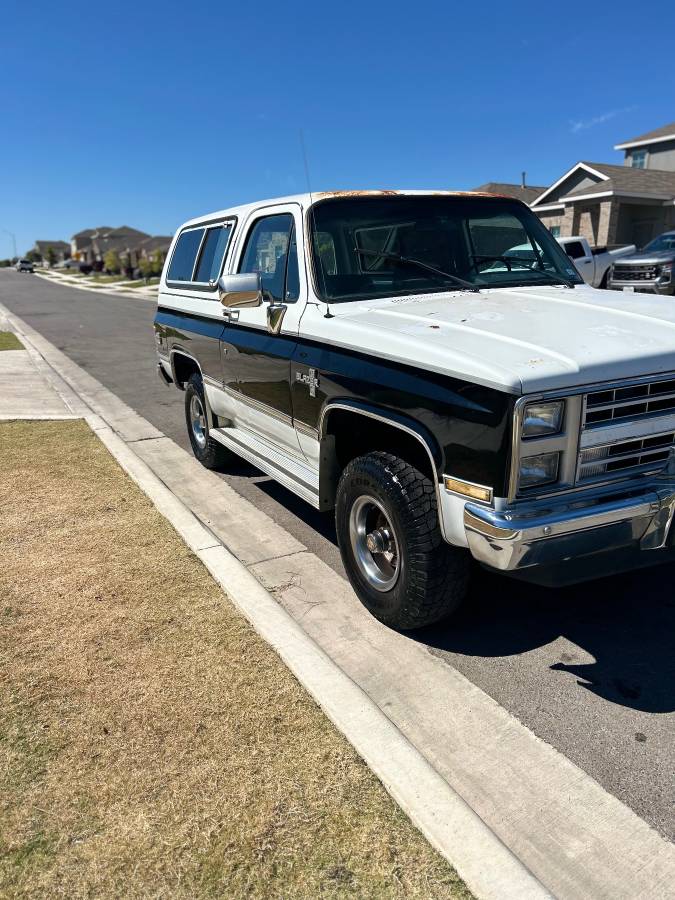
column 271, row 250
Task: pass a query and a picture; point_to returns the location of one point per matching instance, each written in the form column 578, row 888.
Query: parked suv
column 24, row 265
column 385, row 355
column 650, row 269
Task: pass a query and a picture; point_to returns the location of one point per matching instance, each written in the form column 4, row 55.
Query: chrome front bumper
column 568, row 528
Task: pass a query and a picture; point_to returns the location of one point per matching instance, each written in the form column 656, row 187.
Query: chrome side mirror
column 241, row 290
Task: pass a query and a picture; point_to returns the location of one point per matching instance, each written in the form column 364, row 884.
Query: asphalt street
column 589, row 669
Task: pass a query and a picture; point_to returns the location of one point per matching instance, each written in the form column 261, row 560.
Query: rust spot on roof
column 357, row 193
column 323, row 194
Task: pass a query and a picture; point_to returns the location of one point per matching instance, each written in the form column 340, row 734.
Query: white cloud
column 577, row 125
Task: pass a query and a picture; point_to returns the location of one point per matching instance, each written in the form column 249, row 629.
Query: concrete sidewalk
column 26, row 391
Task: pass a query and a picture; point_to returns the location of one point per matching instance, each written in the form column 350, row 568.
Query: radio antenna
column 328, row 314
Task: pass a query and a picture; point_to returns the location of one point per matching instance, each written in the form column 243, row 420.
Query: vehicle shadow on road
column 625, row 622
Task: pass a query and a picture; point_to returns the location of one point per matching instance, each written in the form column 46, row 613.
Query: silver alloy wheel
column 374, row 543
column 198, row 421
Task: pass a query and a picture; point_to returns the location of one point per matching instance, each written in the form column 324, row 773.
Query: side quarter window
column 184, row 255
column 267, row 251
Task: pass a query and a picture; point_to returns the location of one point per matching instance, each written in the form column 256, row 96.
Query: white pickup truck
column 592, row 264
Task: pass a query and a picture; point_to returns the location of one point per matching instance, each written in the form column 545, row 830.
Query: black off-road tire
column 604, row 280
column 211, row 455
column 433, row 576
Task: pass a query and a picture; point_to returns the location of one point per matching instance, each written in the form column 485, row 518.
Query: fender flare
column 178, row 351
column 388, row 417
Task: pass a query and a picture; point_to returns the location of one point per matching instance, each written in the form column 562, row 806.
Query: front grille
column 625, row 457
column 635, row 442
column 635, row 273
column 632, row 402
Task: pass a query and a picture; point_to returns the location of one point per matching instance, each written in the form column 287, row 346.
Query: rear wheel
column 402, row 570
column 210, row 453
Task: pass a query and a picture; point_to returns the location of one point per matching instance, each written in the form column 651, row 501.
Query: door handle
column 232, row 315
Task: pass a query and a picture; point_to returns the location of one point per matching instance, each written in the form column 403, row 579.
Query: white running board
column 293, row 473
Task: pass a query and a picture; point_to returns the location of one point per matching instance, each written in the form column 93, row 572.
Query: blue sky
column 147, row 114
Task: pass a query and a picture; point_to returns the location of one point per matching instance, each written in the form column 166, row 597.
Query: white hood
column 520, row 340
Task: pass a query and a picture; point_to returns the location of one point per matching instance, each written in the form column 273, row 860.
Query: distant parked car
column 70, row 264
column 593, row 264
column 25, row 265
column 649, row 270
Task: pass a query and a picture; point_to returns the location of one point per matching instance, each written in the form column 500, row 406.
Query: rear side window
column 184, row 255
column 575, row 250
column 213, row 250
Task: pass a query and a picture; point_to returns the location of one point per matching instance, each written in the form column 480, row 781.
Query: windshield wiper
column 554, row 279
column 407, row 260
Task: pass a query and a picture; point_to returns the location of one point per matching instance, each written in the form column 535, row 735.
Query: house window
column 555, row 231
column 638, row 159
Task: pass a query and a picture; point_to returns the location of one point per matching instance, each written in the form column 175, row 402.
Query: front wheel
column 391, row 544
column 210, row 453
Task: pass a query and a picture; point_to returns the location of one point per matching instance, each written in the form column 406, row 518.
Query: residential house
column 61, row 250
column 612, row 204
column 91, row 245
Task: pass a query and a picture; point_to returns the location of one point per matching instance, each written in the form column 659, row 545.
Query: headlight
column 540, row 469
column 543, row 418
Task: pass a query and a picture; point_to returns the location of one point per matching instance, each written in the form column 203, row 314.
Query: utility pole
column 13, row 237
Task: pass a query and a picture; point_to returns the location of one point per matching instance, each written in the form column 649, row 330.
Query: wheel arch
column 401, row 434
column 183, row 364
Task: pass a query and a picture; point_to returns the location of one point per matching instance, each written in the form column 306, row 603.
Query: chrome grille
column 625, row 457
column 627, row 429
column 630, row 402
column 634, row 273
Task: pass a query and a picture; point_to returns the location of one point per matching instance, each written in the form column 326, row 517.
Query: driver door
column 260, row 359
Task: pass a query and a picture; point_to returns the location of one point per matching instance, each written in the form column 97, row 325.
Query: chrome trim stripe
column 308, row 430
column 257, row 405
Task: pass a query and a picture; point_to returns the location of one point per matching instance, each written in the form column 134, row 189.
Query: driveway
column 589, row 669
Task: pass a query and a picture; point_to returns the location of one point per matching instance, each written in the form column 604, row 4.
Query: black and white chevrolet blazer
column 432, row 367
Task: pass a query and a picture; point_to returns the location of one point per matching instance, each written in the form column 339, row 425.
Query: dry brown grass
column 151, row 744
column 9, row 341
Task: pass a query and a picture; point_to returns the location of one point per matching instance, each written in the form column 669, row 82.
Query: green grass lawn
column 9, row 341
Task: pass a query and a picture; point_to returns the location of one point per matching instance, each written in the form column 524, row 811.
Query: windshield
column 663, row 242
column 384, row 246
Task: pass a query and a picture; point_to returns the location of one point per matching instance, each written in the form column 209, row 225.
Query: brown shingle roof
column 625, row 179
column 526, row 194
column 663, row 132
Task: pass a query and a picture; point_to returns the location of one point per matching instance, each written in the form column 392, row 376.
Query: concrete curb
column 487, row 866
